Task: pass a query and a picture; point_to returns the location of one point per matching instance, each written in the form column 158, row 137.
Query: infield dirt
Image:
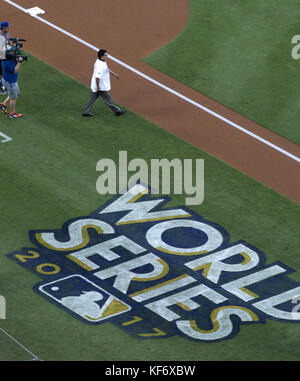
column 129, row 31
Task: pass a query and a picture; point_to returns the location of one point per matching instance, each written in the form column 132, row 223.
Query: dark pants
column 106, row 97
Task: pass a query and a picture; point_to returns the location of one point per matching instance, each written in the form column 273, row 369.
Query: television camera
column 14, row 49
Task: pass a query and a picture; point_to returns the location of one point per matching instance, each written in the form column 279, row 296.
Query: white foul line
column 275, row 147
column 6, row 138
column 21, row 345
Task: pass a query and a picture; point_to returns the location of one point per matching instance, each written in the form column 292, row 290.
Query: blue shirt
column 8, row 67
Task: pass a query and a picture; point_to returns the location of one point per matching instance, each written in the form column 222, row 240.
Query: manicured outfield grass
column 48, row 175
column 239, row 53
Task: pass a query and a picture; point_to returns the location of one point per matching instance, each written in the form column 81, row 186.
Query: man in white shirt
column 100, row 85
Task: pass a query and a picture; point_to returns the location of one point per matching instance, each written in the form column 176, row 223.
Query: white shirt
column 4, row 40
column 2, row 48
column 101, row 71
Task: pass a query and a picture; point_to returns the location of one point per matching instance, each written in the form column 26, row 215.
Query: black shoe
column 118, row 113
column 88, row 114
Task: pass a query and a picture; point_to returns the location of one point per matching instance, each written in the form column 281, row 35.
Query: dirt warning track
column 130, row 30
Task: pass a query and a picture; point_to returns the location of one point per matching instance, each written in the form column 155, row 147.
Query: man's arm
column 114, row 74
column 17, row 67
column 98, row 83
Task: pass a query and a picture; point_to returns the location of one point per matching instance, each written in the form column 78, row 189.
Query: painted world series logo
column 156, row 271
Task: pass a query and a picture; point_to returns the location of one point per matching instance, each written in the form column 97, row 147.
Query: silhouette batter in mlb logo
column 85, row 304
column 91, row 303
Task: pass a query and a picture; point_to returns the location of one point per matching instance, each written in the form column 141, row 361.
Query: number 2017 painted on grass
column 158, row 272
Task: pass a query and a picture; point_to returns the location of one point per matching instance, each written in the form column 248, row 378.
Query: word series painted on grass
column 158, row 272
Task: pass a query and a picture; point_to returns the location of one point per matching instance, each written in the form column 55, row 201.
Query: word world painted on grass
column 157, row 272
column 2, row 307
column 115, row 179
column 296, row 49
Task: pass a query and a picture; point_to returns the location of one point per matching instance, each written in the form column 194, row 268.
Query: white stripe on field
column 6, row 138
column 21, row 345
column 275, row 147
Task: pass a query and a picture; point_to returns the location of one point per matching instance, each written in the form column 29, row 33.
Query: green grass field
column 239, row 53
column 48, row 175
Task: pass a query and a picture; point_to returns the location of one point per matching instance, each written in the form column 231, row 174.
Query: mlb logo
column 84, row 298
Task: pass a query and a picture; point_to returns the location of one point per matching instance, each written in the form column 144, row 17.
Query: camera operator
column 10, row 71
column 4, row 43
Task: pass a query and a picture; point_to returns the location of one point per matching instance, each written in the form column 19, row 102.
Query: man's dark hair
column 11, row 55
column 101, row 53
